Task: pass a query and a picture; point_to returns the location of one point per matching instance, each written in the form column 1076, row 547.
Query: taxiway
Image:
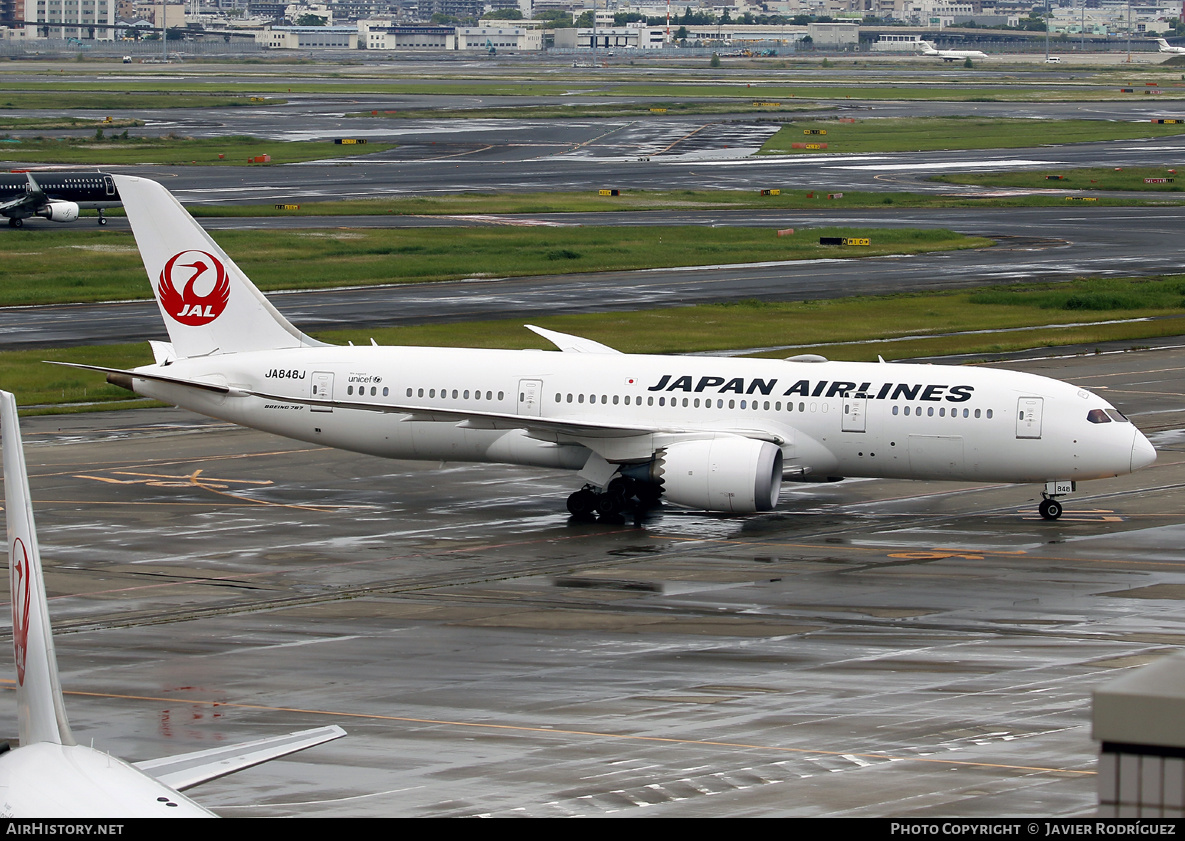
column 873, row 648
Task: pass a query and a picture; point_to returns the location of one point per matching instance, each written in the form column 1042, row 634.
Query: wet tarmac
column 873, row 648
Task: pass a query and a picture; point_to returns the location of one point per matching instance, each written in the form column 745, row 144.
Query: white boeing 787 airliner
column 711, row 433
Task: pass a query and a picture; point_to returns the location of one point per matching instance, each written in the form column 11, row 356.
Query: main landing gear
column 618, row 497
column 102, row 218
column 14, row 222
column 1050, row 508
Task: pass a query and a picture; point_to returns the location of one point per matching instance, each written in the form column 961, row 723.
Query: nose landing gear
column 1050, row 508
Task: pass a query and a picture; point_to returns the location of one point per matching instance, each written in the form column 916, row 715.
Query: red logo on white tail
column 21, row 598
column 195, row 272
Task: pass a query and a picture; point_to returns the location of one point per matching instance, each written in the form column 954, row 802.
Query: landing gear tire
column 648, row 495
column 1050, row 509
column 16, row 223
column 102, row 221
column 620, row 496
column 583, row 503
column 610, row 504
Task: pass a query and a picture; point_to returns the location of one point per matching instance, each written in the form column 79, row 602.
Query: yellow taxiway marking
column 169, row 462
column 197, row 480
column 938, row 553
column 1101, row 515
column 556, row 731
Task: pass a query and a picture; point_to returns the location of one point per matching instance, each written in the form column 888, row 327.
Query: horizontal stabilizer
column 190, row 769
column 139, row 375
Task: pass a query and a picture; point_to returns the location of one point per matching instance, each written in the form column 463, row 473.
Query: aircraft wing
column 17, row 203
column 190, row 769
column 551, row 429
column 569, row 343
column 31, row 201
column 33, row 198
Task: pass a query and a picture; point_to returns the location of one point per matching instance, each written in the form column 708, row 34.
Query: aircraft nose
column 1143, row 453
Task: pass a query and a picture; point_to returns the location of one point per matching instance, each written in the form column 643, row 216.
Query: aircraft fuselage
column 828, row 418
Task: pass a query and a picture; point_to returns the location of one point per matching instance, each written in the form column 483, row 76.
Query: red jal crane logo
column 21, row 598
column 192, row 271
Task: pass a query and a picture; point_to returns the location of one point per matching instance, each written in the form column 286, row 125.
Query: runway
column 873, row 648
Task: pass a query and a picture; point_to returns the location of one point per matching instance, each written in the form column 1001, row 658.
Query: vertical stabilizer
column 208, row 304
column 42, row 713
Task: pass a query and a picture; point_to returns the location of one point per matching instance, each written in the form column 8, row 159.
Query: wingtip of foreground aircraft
column 49, row 775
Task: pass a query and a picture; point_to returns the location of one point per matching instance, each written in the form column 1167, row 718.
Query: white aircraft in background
column 1165, row 47
column 710, row 433
column 49, row 776
column 928, row 49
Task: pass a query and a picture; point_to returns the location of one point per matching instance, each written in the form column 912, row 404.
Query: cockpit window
column 1117, row 416
column 1097, row 416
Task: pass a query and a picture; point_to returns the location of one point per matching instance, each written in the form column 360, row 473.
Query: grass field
column 46, row 266
column 57, row 123
column 1165, row 180
column 858, row 328
column 112, row 148
column 928, row 134
column 64, row 98
column 135, row 93
column 642, row 200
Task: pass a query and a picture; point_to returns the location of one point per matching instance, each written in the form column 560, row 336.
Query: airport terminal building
column 383, row 35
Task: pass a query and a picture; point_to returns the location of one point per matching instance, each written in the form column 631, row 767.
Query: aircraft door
column 530, row 393
column 109, row 185
column 321, row 388
column 1028, row 417
column 854, row 410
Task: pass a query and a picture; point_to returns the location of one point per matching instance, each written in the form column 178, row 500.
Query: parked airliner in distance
column 928, row 49
column 1165, row 47
column 56, row 195
column 49, row 775
column 711, row 433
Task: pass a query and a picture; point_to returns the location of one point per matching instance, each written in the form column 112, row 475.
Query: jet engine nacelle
column 725, row 473
column 59, row 211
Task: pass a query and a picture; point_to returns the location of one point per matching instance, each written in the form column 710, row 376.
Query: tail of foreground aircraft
column 49, row 776
column 41, row 712
column 208, row 304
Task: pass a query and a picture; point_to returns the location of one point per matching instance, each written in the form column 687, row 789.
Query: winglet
column 42, row 713
column 34, row 187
